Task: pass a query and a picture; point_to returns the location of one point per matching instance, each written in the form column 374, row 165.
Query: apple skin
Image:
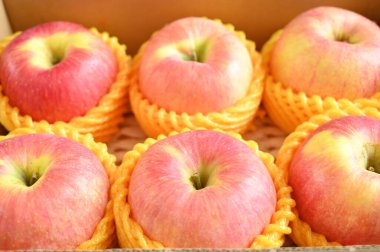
column 60, row 210
column 170, row 77
column 310, row 55
column 335, row 193
column 62, row 91
column 234, row 207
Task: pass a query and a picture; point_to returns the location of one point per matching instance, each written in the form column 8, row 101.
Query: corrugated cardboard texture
column 133, row 21
column 4, row 25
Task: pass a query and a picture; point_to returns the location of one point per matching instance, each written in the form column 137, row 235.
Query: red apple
column 329, row 51
column 56, row 71
column 195, row 65
column 201, row 189
column 336, row 180
column 53, row 192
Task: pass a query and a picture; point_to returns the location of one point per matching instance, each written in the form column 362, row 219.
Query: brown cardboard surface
column 4, row 24
column 133, row 21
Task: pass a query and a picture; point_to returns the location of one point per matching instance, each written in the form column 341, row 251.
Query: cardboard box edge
column 5, row 28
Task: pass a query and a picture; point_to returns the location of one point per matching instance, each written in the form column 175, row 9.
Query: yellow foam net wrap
column 131, row 235
column 302, row 234
column 103, row 120
column 155, row 120
column 104, row 235
column 288, row 108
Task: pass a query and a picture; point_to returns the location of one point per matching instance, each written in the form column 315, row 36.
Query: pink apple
column 53, row 193
column 329, row 51
column 56, row 71
column 201, row 189
column 195, row 65
column 336, row 180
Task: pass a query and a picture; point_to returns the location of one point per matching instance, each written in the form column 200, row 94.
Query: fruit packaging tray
column 262, row 130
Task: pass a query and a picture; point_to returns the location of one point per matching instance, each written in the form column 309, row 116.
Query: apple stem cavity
column 34, row 170
column 56, row 57
column 57, row 52
column 373, row 157
column 198, row 53
column 56, row 60
column 344, row 37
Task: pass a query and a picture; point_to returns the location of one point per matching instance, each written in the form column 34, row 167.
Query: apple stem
column 33, row 179
column 373, row 154
column 196, row 180
column 194, row 55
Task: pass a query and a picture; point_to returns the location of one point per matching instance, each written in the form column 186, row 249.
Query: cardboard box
column 133, row 21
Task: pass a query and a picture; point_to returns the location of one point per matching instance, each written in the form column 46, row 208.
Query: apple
column 201, row 188
column 328, row 51
column 53, row 192
column 195, row 65
column 335, row 174
column 56, row 71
